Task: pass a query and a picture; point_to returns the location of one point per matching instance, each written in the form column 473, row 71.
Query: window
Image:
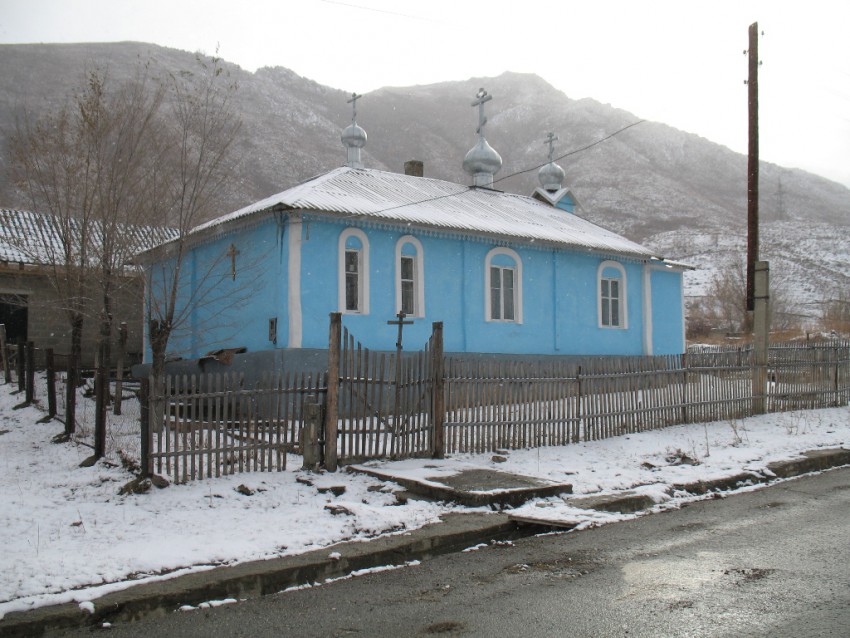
column 407, row 267
column 410, row 294
column 503, row 286
column 353, row 272
column 610, row 292
column 501, row 293
column 352, row 279
column 612, row 295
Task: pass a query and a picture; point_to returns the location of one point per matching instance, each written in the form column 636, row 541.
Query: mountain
column 679, row 193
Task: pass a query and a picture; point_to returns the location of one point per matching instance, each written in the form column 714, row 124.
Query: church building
column 505, row 273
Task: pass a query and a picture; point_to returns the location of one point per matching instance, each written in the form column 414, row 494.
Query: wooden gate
column 386, row 402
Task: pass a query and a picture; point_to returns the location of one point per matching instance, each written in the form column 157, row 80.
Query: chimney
column 414, row 168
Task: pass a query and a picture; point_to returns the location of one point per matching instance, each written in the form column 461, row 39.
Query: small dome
column 551, row 176
column 482, row 160
column 353, row 136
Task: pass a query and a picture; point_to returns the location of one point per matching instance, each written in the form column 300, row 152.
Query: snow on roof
column 368, row 194
column 34, row 238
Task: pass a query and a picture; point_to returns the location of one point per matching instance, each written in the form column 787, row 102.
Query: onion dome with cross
column 482, row 162
column 354, row 137
column 551, row 175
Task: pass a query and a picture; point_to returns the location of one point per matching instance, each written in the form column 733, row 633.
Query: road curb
column 808, row 462
column 260, row 578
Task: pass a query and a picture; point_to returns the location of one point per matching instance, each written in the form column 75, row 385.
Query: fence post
column 71, row 395
column 51, row 383
column 332, row 402
column 579, row 429
column 837, row 351
column 30, row 354
column 684, row 387
column 310, row 434
column 438, row 413
column 761, row 328
column 101, row 394
column 19, row 365
column 119, row 368
column 145, row 447
column 4, row 355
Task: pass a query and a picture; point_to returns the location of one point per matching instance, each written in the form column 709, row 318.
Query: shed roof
column 35, row 238
column 369, row 194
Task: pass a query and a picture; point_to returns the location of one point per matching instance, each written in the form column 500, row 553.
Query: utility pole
column 753, row 166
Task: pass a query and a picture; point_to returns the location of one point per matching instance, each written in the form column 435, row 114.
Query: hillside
column 674, row 191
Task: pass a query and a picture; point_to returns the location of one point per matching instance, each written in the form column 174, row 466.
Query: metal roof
column 368, row 194
column 34, row 238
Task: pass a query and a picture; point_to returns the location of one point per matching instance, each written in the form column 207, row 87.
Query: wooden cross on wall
column 232, row 252
column 401, row 323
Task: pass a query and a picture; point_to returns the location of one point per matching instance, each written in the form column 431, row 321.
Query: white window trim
column 517, row 285
column 624, row 309
column 364, row 272
column 418, row 273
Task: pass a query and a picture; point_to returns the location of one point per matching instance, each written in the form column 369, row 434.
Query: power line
column 351, row 5
column 527, row 170
column 573, row 152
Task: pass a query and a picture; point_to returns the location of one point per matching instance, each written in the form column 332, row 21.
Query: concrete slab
column 625, row 502
column 478, row 487
column 811, row 461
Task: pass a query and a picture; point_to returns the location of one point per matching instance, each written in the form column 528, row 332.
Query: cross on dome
column 353, row 103
column 481, row 98
column 550, row 140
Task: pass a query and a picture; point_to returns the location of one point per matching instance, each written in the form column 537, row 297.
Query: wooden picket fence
column 427, row 404
column 216, row 424
column 492, row 404
column 817, row 376
column 384, row 403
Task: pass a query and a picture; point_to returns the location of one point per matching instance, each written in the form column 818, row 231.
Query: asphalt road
column 773, row 562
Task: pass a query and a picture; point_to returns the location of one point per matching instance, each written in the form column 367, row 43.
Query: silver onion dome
column 482, row 162
column 551, row 176
column 353, row 136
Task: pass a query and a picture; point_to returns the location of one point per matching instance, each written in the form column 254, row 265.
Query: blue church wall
column 216, row 309
column 560, row 311
column 668, row 319
column 559, row 296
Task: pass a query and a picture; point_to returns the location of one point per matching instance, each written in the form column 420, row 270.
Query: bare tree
column 724, row 306
column 156, row 150
column 51, row 165
column 200, row 129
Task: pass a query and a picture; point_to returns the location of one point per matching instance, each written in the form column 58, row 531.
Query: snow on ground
column 69, row 536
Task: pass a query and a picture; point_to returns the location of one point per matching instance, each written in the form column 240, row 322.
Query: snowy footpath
column 69, row 536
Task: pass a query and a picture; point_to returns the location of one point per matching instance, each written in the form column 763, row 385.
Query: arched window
column 503, row 286
column 612, row 310
column 409, row 277
column 353, row 272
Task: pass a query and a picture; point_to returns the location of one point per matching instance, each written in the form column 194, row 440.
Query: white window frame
column 418, row 275
column 621, row 297
column 517, row 268
column 363, row 266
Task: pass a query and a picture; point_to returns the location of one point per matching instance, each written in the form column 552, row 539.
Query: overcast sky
column 678, row 62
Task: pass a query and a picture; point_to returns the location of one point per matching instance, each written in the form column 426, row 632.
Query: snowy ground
column 68, row 535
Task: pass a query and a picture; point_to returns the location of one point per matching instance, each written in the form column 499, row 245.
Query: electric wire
column 527, row 170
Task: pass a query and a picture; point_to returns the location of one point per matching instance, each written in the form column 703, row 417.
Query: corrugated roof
column 432, row 203
column 34, row 238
